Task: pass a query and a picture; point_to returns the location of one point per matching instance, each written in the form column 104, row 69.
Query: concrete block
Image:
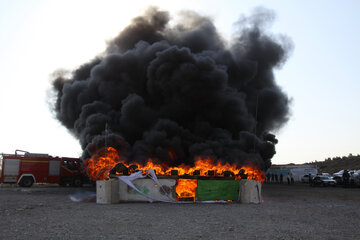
column 250, row 191
column 150, row 188
column 107, row 191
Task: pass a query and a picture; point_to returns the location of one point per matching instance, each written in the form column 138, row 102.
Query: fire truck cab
column 26, row 168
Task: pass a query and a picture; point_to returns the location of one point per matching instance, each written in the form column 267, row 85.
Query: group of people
column 279, row 178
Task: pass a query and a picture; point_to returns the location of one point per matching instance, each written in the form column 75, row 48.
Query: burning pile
column 178, row 98
column 101, row 165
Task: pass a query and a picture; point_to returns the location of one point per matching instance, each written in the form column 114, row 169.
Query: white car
column 323, row 181
column 305, row 178
column 355, row 178
column 339, row 173
column 353, row 174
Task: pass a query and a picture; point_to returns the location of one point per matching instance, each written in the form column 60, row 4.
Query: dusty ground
column 288, row 212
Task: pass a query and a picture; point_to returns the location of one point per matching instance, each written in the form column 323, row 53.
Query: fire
column 185, row 188
column 99, row 166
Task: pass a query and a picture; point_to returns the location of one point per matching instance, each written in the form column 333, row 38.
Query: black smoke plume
column 180, row 88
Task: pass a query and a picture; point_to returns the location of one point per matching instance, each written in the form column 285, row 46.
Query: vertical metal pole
column 106, row 129
column 256, row 116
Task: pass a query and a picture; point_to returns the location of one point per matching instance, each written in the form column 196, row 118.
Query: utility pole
column 106, row 132
column 256, row 120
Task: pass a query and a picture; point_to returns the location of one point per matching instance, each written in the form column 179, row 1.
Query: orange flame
column 185, row 188
column 99, row 166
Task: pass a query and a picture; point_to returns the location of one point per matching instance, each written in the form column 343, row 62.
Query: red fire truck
column 26, row 168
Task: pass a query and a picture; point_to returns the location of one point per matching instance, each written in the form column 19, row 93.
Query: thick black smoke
column 179, row 89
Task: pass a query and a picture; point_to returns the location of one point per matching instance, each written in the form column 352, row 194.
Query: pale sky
column 321, row 76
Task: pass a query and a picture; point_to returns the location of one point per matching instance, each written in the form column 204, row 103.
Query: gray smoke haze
column 178, row 88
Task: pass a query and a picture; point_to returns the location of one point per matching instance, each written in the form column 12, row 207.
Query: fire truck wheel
column 26, row 182
column 77, row 182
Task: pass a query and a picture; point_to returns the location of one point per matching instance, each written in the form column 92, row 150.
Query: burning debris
column 175, row 98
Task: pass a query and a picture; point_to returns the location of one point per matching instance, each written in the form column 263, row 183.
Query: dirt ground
column 287, row 212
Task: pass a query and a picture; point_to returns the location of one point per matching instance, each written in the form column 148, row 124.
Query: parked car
column 306, row 179
column 323, row 181
column 339, row 173
column 338, row 179
column 338, row 176
column 355, row 178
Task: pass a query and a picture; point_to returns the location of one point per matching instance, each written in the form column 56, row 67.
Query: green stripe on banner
column 208, row 190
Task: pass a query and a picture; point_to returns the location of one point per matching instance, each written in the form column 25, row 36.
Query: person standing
column 288, row 178
column 346, row 177
column 268, row 176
